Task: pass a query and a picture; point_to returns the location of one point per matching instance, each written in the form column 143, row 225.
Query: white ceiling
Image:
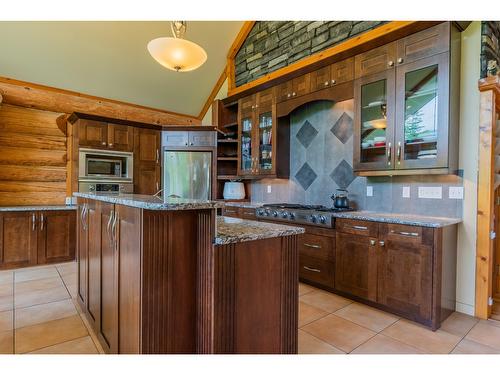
column 110, row 59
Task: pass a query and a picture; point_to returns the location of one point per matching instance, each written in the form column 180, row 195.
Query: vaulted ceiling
column 110, row 59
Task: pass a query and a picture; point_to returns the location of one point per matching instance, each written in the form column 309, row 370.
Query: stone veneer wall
column 321, row 149
column 271, row 45
column 490, row 47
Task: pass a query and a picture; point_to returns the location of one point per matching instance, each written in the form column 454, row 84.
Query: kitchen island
column 154, row 276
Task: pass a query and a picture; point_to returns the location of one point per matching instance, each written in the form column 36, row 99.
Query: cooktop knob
column 275, row 213
column 260, row 212
column 292, row 216
column 284, row 215
column 314, row 218
column 322, row 219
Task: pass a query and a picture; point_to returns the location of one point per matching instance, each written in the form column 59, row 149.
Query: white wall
column 207, row 120
column 468, row 161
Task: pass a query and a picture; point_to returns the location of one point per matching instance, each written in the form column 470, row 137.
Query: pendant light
column 177, row 53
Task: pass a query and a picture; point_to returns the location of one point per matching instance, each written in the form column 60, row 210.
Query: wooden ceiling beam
column 48, row 98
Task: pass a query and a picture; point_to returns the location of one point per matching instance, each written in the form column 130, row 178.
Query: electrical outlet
column 456, row 192
column 406, row 192
column 369, row 191
column 269, row 189
column 430, row 192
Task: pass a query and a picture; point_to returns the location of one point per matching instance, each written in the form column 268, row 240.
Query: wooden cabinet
column 29, row 238
column 94, row 224
column 57, row 236
column 406, row 270
column 293, row 88
column 332, row 75
column 356, row 265
column 406, row 102
column 82, row 246
column 103, row 135
column 18, row 239
column 147, row 161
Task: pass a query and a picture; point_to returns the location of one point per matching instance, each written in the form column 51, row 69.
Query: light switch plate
column 430, row 192
column 269, row 189
column 406, row 192
column 369, row 191
column 456, row 192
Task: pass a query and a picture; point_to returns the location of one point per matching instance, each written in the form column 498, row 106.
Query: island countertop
column 150, row 202
column 38, row 208
column 234, row 230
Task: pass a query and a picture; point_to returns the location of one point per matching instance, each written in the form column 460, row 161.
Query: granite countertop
column 233, row 230
column 243, row 204
column 38, row 208
column 392, row 218
column 149, row 202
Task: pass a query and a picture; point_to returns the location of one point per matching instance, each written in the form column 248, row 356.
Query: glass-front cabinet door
column 374, row 117
column 266, row 135
column 421, row 116
column 246, row 162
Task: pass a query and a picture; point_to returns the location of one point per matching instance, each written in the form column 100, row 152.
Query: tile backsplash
column 321, row 148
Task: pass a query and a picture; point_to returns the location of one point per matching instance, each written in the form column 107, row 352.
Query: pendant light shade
column 177, row 53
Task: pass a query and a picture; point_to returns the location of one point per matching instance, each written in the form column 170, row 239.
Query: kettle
column 340, row 199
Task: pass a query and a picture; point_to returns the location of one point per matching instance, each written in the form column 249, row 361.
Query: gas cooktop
column 317, row 215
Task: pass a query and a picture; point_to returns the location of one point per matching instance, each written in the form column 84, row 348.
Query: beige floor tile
column 368, row 317
column 439, row 342
column 485, row 333
column 6, row 303
column 458, row 324
column 339, row 332
column 50, row 333
column 72, row 289
column 83, row 345
column 381, row 344
column 6, row 277
column 304, row 288
column 35, row 274
column 43, row 313
column 6, row 289
column 41, row 284
column 308, row 313
column 7, row 342
column 92, row 334
column 40, row 296
column 471, row 347
column 6, row 320
column 325, row 301
column 308, row 344
column 66, row 268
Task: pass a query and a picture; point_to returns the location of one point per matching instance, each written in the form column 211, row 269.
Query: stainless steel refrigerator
column 187, row 174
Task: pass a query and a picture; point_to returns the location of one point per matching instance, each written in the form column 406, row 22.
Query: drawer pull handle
column 311, row 269
column 358, row 227
column 313, row 246
column 408, row 234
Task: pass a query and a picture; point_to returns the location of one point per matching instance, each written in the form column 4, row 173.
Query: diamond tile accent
column 306, row 176
column 306, row 134
column 343, row 175
column 342, row 129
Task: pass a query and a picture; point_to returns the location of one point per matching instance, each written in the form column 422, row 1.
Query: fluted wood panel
column 289, row 294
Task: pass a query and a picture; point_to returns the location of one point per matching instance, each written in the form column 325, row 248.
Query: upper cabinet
column 405, row 95
column 103, row 135
column 293, row 88
column 332, row 75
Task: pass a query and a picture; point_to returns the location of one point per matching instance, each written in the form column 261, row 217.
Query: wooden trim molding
column 213, row 94
column 489, row 106
column 235, row 47
column 48, row 98
column 367, row 40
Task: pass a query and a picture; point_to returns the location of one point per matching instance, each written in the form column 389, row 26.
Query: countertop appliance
column 234, row 190
column 316, row 215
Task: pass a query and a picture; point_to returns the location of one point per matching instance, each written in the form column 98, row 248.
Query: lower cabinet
column 317, row 256
column 29, row 238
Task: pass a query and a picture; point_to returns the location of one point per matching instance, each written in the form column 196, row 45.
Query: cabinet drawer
column 315, row 246
column 283, row 91
column 425, row 43
column 375, row 61
column 359, row 227
column 248, row 213
column 174, row 138
column 407, row 233
column 231, row 211
column 202, row 138
column 317, row 271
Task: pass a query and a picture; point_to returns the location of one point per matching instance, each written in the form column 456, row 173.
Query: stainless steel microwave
column 96, row 165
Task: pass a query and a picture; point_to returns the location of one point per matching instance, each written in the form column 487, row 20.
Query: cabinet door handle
column 41, row 222
column 288, row 95
column 408, row 234
column 157, row 156
column 33, row 222
column 399, row 153
column 104, row 143
column 381, row 243
column 311, row 269
column 110, row 145
column 312, row 245
column 400, row 60
column 373, row 242
column 294, row 93
column 390, row 63
column 389, row 153
column 334, row 82
column 109, row 224
column 326, row 83
column 85, row 212
column 114, row 229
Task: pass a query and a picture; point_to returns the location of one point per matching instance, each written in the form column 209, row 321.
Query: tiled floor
column 39, row 313
column 330, row 324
